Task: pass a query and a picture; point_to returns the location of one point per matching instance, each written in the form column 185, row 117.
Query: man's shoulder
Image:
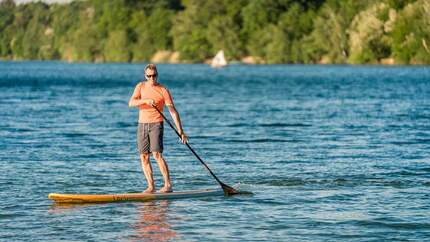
column 162, row 87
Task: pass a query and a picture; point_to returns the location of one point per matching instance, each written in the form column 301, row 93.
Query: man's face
column 151, row 75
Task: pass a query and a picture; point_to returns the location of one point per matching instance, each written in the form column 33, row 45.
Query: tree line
column 267, row 31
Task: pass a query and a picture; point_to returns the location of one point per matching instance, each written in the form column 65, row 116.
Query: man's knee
column 157, row 155
column 144, row 158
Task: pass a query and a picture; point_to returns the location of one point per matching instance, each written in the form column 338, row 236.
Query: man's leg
column 164, row 171
column 147, row 170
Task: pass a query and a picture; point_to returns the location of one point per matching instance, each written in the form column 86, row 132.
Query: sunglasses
column 151, row 76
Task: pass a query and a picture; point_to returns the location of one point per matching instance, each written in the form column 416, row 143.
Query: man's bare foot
column 149, row 190
column 166, row 190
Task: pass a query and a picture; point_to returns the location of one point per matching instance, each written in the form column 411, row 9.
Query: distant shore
column 173, row 57
column 251, row 32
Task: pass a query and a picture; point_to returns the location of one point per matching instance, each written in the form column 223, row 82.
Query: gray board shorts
column 150, row 137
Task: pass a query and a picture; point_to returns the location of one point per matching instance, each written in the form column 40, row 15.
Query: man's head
column 151, row 73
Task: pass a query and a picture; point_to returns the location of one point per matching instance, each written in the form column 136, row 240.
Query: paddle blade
column 230, row 191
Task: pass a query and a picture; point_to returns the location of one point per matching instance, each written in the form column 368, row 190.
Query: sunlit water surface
column 332, row 153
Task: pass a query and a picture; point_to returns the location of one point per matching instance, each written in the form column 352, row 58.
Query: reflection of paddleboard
column 104, row 198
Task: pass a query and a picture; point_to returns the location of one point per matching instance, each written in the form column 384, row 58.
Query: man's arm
column 135, row 99
column 177, row 120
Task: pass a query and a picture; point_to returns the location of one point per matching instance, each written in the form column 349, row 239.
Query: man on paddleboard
column 146, row 95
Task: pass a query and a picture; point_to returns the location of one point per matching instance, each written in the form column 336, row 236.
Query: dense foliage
column 271, row 31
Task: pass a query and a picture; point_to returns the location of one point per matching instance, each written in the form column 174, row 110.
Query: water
column 332, row 153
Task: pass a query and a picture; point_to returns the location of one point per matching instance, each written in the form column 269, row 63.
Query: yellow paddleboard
column 105, row 198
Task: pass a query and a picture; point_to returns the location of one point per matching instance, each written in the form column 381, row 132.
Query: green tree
column 150, row 34
column 7, row 9
column 328, row 41
column 368, row 39
column 189, row 30
column 116, row 47
column 295, row 23
column 158, row 26
column 273, row 31
column 34, row 31
column 65, row 21
column 411, row 37
column 399, row 4
column 223, row 34
column 114, row 16
column 277, row 48
column 141, row 47
column 82, row 42
column 255, row 16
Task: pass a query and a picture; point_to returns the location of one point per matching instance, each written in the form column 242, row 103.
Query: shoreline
column 173, row 57
column 233, row 63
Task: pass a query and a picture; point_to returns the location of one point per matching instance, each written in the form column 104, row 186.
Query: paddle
column 228, row 191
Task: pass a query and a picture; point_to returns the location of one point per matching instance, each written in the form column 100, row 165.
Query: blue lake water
column 332, row 153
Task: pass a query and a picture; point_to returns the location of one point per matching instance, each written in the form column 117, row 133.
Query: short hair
column 151, row 67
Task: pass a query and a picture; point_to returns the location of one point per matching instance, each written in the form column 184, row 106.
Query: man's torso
column 159, row 94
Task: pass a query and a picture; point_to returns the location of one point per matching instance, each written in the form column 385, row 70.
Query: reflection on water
column 62, row 208
column 152, row 223
column 150, row 219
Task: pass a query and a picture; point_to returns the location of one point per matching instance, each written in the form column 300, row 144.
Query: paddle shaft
column 189, row 147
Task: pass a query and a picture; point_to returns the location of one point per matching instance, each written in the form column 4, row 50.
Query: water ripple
column 332, row 153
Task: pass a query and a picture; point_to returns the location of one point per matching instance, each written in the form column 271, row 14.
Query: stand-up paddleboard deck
column 106, row 198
